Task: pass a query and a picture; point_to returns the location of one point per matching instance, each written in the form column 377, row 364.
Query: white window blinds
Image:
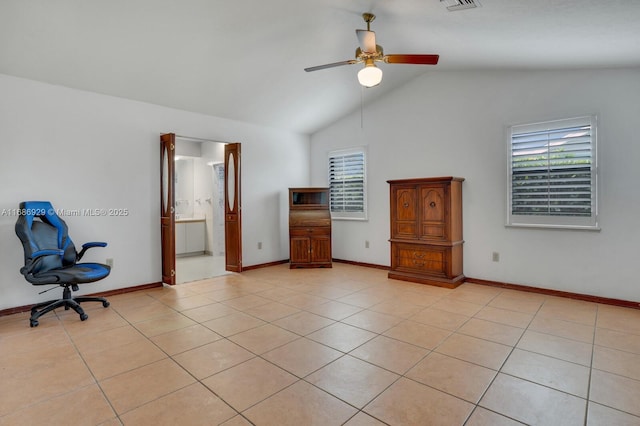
column 552, row 169
column 347, row 184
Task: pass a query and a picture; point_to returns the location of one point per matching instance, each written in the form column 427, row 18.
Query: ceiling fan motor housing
column 363, row 56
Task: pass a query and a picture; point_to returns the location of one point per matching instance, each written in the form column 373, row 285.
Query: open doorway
column 199, row 182
column 193, row 147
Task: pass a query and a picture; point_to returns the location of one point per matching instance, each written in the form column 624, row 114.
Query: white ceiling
column 244, row 59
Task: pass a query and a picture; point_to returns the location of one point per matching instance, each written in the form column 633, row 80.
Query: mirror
column 231, row 182
column 185, row 185
column 165, row 179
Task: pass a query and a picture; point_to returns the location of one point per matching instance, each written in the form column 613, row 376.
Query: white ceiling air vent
column 453, row 5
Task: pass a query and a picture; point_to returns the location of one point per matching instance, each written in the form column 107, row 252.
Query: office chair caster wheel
column 105, row 304
column 33, row 323
column 83, row 317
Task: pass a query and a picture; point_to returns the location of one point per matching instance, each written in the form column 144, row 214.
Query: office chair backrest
column 40, row 228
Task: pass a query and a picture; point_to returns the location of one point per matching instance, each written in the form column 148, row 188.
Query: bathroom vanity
column 190, row 235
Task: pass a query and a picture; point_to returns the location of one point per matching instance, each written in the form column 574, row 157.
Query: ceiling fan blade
column 412, row 59
column 335, row 64
column 367, row 40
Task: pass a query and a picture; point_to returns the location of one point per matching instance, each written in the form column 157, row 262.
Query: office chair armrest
column 87, row 246
column 35, row 256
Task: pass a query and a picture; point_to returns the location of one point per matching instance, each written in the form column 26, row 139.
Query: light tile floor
column 193, row 268
column 336, row 346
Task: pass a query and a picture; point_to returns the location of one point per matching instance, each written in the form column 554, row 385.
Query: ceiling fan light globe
column 370, row 76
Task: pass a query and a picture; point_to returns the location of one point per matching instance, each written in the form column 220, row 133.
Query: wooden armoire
column 426, row 230
column 309, row 228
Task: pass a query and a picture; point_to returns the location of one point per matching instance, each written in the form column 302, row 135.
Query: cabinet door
column 300, row 250
column 320, row 249
column 195, row 237
column 404, row 214
column 433, row 208
column 181, row 238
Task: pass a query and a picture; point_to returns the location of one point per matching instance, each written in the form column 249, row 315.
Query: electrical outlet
column 260, row 245
column 495, row 256
column 366, row 244
column 110, row 262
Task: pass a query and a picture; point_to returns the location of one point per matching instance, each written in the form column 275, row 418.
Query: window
column 347, row 184
column 552, row 174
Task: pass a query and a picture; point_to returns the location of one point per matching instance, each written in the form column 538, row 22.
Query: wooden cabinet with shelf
column 309, row 228
column 426, row 230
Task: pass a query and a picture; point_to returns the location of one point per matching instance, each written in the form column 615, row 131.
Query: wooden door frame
column 167, row 210
column 233, row 209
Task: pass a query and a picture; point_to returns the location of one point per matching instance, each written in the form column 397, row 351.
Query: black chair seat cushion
column 79, row 273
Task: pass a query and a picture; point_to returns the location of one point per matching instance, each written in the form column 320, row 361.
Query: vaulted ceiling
column 244, row 59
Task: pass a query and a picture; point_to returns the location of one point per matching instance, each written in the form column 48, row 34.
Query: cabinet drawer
column 309, row 231
column 422, row 259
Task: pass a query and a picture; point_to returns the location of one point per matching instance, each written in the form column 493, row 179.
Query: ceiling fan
column 369, row 53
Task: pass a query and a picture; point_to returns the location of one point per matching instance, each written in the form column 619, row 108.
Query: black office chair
column 50, row 258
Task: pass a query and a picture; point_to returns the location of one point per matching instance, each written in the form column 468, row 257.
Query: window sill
column 560, row 227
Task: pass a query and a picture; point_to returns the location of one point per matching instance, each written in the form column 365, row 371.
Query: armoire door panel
column 404, row 212
column 433, row 231
column 433, row 206
column 433, row 212
column 405, row 230
column 406, row 204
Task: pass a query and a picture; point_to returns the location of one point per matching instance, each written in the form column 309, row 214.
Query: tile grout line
column 181, row 366
column 261, row 357
column 476, row 404
column 321, row 367
column 199, row 381
column 430, row 350
column 133, row 369
column 84, row 361
column 593, row 352
column 503, row 363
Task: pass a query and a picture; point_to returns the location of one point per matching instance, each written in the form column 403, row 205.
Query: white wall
column 184, row 186
column 85, row 150
column 452, row 123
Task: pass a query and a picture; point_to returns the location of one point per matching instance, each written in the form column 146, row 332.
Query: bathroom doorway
column 199, row 185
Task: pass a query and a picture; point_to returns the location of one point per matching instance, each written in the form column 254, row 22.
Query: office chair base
column 68, row 302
